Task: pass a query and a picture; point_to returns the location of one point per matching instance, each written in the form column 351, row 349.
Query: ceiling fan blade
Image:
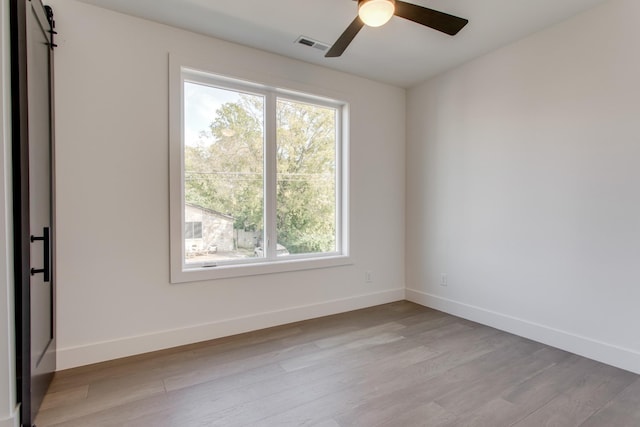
column 345, row 39
column 440, row 21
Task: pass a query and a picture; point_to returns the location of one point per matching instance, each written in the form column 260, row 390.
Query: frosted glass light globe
column 375, row 13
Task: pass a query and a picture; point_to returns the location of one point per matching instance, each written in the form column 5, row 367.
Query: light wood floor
column 394, row 365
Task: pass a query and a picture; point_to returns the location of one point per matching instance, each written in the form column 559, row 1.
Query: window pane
column 223, row 173
column 197, row 230
column 306, row 178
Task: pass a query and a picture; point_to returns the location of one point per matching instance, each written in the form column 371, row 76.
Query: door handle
column 45, row 242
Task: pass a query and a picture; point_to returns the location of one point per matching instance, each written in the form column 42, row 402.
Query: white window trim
column 180, row 274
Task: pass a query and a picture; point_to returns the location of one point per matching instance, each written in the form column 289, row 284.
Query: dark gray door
column 32, row 94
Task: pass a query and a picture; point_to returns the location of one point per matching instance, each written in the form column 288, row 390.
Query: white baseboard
column 593, row 349
column 12, row 421
column 72, row 357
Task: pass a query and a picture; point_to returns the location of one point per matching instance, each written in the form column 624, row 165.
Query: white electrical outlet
column 368, row 277
column 443, row 280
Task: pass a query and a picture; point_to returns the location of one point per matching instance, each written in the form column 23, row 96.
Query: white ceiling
column 401, row 52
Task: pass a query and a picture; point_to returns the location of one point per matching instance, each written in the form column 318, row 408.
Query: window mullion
column 270, row 177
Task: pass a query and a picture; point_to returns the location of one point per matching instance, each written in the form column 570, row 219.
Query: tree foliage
column 224, row 171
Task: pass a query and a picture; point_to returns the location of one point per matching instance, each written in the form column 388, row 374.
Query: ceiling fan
column 375, row 13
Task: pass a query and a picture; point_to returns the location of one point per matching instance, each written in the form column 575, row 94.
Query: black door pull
column 45, row 241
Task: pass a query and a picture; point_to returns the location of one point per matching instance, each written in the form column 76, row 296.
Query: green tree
column 305, row 198
column 224, row 172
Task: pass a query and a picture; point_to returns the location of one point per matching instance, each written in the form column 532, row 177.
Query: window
column 306, row 177
column 257, row 179
column 193, row 230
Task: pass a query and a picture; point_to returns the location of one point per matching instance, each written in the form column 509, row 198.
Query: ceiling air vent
column 308, row 41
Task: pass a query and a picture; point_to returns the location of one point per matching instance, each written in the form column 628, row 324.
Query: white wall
column 523, row 186
column 114, row 295
column 8, row 415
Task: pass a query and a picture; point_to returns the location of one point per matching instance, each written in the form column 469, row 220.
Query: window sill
column 268, row 267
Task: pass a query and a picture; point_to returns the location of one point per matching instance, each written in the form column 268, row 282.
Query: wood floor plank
column 623, row 410
column 574, row 406
column 496, row 412
column 392, row 365
column 427, row 414
column 318, row 381
column 224, row 393
column 367, row 396
column 417, row 386
column 479, row 392
column 101, row 399
column 210, row 368
column 336, row 340
column 66, row 397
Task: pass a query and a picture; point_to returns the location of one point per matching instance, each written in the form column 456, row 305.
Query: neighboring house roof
column 211, row 211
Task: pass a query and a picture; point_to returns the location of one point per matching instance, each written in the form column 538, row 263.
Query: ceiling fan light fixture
column 375, row 13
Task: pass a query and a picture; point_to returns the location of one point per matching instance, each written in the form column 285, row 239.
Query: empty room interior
column 273, row 213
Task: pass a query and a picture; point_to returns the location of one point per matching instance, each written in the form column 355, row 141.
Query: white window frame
column 178, row 73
